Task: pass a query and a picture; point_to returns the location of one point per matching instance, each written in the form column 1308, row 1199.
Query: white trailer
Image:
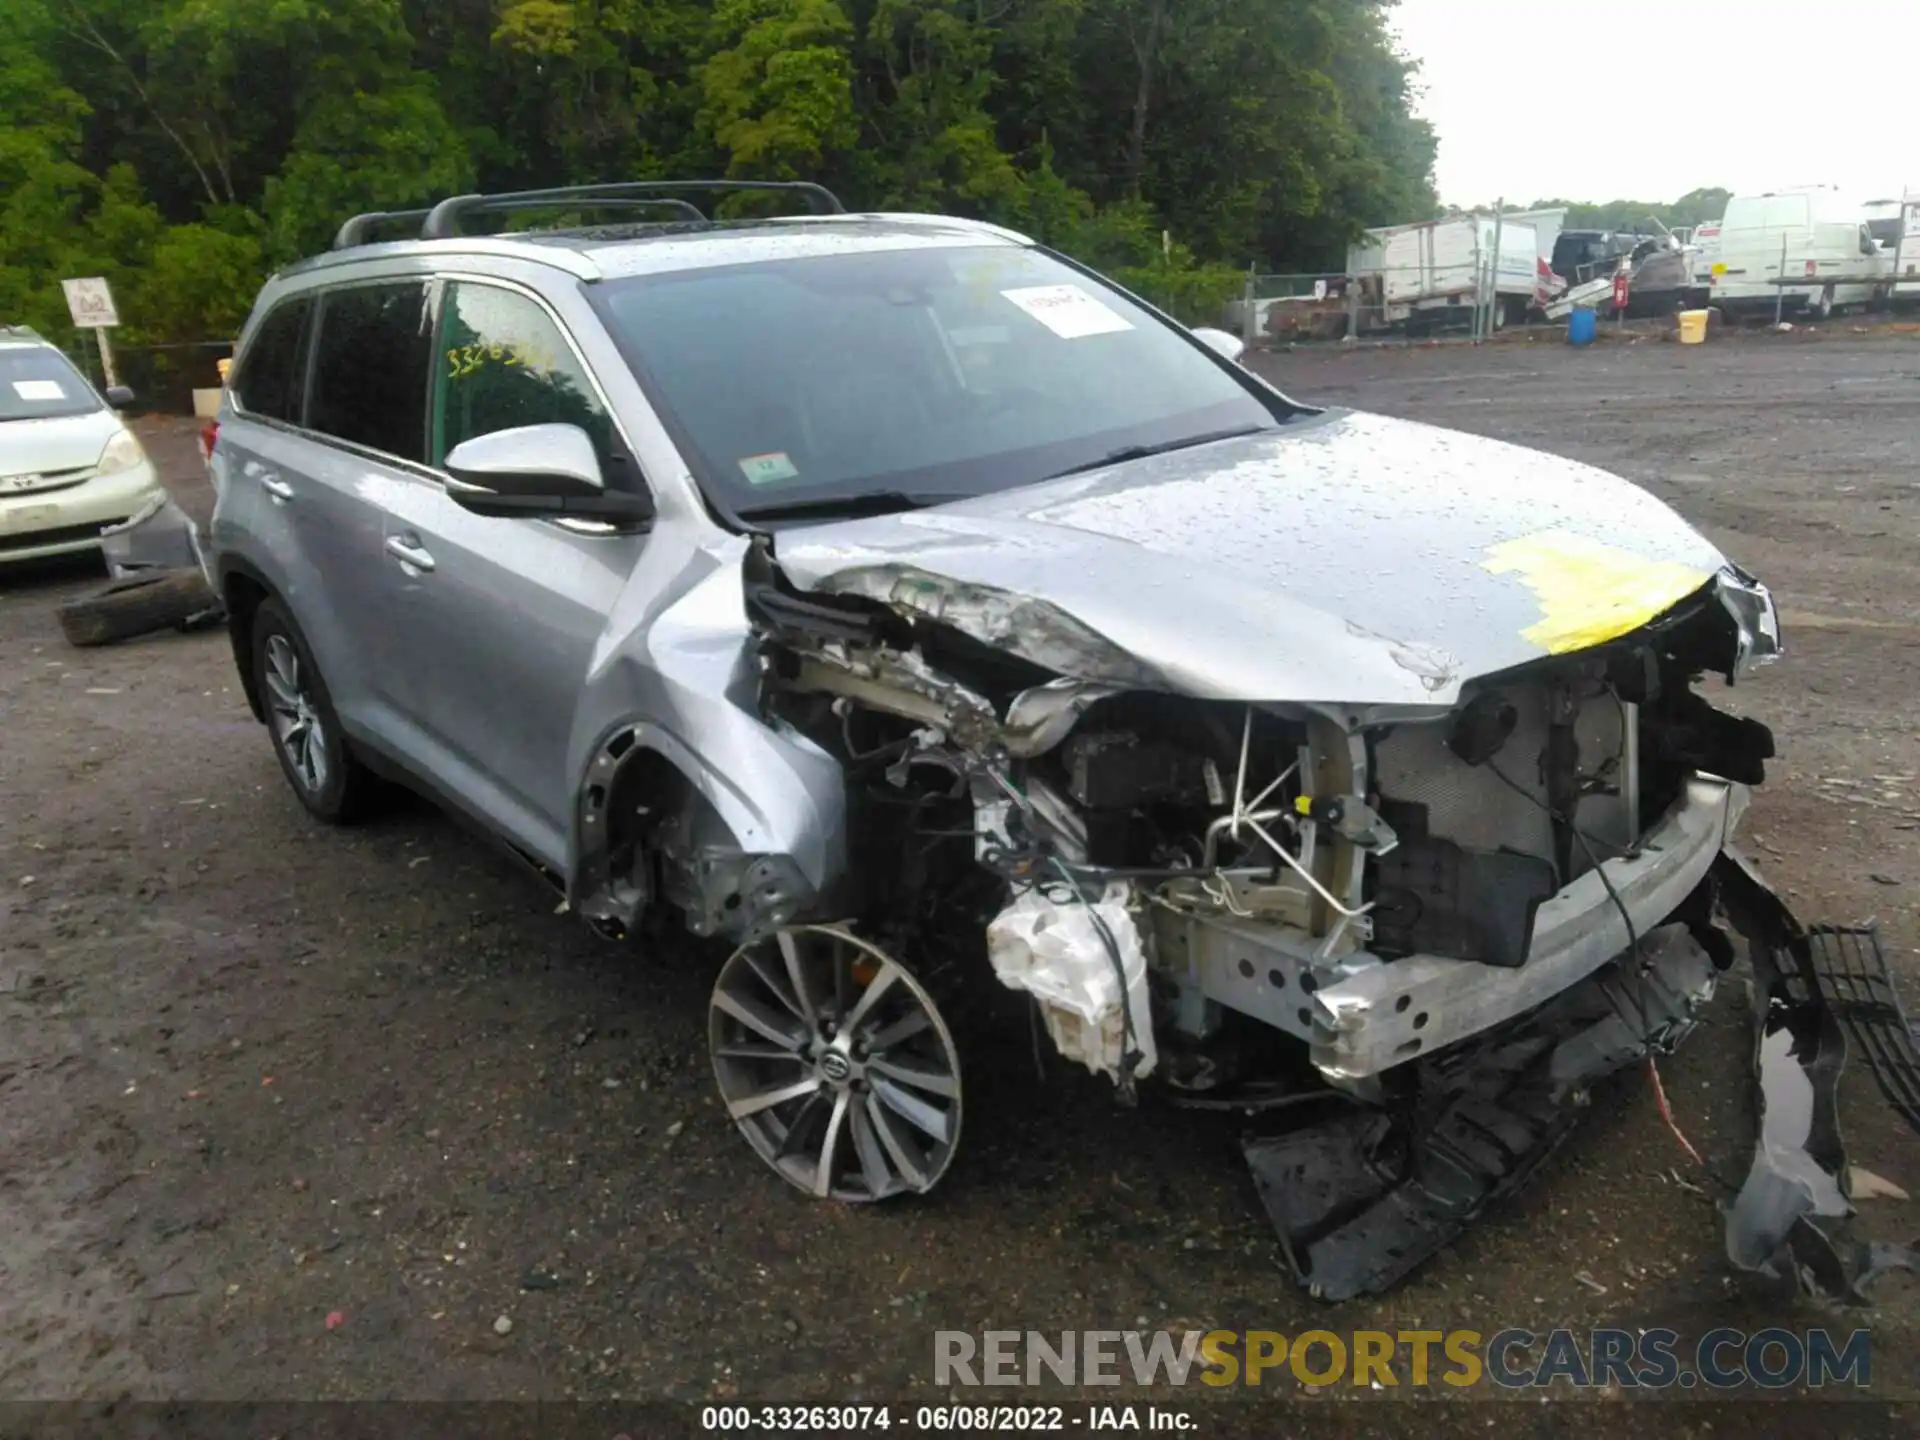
column 1430, row 275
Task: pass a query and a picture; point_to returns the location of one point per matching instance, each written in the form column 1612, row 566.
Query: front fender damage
column 1367, row 1180
column 1364, row 1196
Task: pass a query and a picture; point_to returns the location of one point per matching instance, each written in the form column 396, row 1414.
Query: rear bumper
column 1388, row 1013
column 68, row 522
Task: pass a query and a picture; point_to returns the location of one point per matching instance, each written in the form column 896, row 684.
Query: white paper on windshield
column 1067, row 310
column 39, row 390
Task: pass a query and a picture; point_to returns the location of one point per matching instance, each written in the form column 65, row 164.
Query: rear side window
column 370, row 368
column 269, row 380
column 502, row 362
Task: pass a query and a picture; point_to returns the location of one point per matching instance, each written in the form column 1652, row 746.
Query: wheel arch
column 653, row 821
column 242, row 590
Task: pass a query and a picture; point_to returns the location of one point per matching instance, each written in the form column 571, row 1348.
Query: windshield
column 930, row 374
column 37, row 383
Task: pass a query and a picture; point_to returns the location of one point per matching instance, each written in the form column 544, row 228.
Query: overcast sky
column 1528, row 102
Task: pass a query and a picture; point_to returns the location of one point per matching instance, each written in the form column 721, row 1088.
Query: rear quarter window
column 267, row 381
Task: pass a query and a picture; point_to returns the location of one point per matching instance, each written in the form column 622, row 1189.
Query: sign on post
column 90, row 302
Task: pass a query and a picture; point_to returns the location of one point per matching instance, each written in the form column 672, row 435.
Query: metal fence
column 162, row 377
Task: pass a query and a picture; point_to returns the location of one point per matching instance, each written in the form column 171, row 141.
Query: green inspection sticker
column 768, row 469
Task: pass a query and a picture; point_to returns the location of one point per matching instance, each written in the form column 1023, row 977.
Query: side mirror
column 1232, row 347
column 538, row 470
column 119, row 396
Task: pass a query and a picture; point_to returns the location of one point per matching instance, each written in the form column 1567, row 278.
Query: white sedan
column 68, row 464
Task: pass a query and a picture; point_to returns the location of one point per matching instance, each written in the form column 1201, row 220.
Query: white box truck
column 1429, row 276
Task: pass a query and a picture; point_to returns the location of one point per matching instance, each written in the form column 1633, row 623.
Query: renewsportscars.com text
column 1654, row 1358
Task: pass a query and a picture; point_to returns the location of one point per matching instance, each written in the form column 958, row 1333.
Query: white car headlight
column 123, row 452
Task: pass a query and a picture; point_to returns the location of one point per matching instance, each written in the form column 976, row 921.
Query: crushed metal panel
column 1210, row 566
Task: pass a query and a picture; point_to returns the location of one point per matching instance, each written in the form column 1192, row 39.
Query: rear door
column 501, row 616
column 364, row 433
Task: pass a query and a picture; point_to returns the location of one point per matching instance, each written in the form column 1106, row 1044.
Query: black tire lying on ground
column 137, row 605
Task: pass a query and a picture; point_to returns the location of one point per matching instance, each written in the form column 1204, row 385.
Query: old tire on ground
column 308, row 741
column 137, row 605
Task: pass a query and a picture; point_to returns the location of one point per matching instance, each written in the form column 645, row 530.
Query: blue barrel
column 1582, row 326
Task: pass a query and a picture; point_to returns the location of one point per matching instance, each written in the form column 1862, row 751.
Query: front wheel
column 836, row 1065
column 307, row 739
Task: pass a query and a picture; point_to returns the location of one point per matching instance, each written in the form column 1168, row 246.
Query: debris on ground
column 1863, row 1184
column 140, row 604
column 158, row 581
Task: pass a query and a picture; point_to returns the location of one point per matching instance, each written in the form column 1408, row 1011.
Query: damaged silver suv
column 917, row 611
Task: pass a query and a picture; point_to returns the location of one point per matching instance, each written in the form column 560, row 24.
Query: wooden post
column 106, row 356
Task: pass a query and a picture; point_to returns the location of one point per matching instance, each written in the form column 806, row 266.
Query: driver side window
column 502, row 362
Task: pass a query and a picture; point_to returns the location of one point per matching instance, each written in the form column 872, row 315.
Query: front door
column 502, row 616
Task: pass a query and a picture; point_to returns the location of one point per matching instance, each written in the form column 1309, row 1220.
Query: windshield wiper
column 867, row 502
column 1141, row 452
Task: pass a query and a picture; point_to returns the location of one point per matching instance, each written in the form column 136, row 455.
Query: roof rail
column 354, row 231
column 443, row 221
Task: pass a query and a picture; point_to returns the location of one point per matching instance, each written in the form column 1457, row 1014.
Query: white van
column 1813, row 234
column 1704, row 242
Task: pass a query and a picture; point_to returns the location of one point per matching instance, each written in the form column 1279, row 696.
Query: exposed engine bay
column 1375, row 891
column 1420, row 932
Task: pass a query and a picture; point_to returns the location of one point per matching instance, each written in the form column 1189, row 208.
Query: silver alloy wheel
column 296, row 719
column 835, row 1064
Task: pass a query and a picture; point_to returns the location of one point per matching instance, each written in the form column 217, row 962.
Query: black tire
column 339, row 790
column 137, row 605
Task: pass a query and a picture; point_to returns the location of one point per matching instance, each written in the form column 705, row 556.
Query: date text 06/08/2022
column 978, row 1419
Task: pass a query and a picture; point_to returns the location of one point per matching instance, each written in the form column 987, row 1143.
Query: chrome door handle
column 412, row 555
column 279, row 489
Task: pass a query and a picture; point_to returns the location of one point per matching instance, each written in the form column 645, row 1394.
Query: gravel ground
column 296, row 1113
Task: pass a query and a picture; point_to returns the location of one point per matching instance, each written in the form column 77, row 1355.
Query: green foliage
column 184, row 147
column 777, row 99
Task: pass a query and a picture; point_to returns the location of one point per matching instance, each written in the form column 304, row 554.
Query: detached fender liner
column 1366, row 1196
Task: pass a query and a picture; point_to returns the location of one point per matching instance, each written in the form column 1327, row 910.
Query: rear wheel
column 312, row 748
column 836, row 1065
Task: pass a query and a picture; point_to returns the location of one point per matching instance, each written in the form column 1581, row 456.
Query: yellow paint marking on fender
column 1590, row 593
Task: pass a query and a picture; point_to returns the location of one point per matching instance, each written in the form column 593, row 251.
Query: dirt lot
column 254, row 1073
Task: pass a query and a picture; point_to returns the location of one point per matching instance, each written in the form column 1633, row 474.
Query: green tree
column 776, row 99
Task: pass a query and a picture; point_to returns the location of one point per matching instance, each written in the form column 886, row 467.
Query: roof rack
column 442, row 221
column 354, row 231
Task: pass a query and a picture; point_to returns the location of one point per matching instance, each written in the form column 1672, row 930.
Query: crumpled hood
column 59, row 442
column 1346, row 559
